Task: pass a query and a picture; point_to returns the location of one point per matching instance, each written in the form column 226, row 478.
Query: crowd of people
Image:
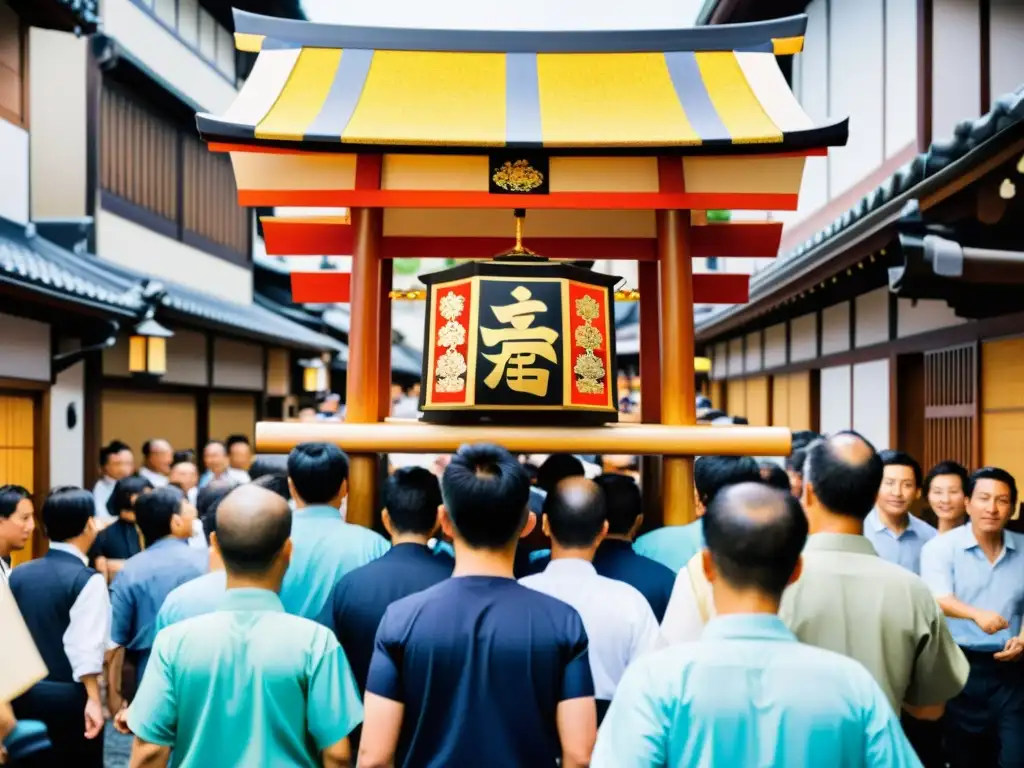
column 512, row 616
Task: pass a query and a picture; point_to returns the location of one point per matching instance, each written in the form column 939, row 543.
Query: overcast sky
column 503, row 14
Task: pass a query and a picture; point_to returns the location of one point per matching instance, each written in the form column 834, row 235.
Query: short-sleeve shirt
column 620, row 624
column 358, row 602
column 673, row 545
column 749, row 694
column 954, row 564
column 324, row 549
column 851, row 601
column 481, row 664
column 140, row 588
column 903, row 550
column 246, row 685
column 193, row 598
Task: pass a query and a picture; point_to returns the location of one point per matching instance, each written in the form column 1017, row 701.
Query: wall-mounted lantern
column 147, row 349
column 315, row 373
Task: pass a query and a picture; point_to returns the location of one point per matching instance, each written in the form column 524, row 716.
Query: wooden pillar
column 678, row 399
column 362, row 387
column 384, row 356
column 650, row 387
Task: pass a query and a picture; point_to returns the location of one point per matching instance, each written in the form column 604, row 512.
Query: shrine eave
column 711, row 90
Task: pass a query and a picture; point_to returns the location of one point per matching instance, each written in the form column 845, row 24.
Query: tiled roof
column 1007, row 112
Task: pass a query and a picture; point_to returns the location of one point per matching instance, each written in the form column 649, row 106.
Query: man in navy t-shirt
column 479, row 670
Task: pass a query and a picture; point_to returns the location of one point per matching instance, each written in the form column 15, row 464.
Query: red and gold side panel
column 451, row 345
column 589, row 371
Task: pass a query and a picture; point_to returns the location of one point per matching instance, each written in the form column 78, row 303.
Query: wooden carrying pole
column 410, row 436
column 678, row 398
column 362, row 387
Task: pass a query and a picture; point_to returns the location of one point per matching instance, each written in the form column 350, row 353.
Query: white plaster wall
column 67, row 444
column 775, row 346
column 803, row 338
column 753, row 359
column 872, row 318
column 811, row 80
column 901, row 74
column 956, row 62
column 1006, row 39
column 871, row 401
column 925, row 316
column 136, row 247
column 168, row 57
column 835, row 328
column 835, row 399
column 735, row 365
column 24, row 348
column 13, row 172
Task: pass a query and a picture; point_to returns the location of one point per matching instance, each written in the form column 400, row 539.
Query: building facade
column 857, row 324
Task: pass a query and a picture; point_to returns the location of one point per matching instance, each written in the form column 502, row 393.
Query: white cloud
column 501, row 14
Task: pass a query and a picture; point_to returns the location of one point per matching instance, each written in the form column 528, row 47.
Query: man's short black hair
column 796, row 460
column 486, row 493
column 184, row 457
column 111, row 449
column 713, row 473
column 121, row 498
column 250, row 541
column 713, row 414
column 66, row 512
column 946, row 468
column 891, row 458
column 576, row 512
column 269, row 464
column 530, row 469
column 775, row 476
column 276, row 482
column 10, row 497
column 154, row 510
column 803, row 438
column 237, row 440
column 622, row 501
column 317, row 470
column 843, row 487
column 755, row 534
column 411, row 497
column 208, row 499
column 556, row 468
column 993, row 473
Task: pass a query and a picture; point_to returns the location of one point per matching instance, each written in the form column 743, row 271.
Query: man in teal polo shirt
column 325, row 546
column 247, row 685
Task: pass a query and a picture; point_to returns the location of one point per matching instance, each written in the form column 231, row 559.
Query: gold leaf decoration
column 451, row 366
column 518, row 176
column 589, row 367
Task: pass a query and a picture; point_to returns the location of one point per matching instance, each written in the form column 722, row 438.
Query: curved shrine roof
column 714, row 89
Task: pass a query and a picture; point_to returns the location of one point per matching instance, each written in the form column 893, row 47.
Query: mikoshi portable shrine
column 591, row 145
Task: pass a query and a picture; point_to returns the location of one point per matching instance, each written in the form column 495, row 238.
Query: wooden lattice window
column 951, row 405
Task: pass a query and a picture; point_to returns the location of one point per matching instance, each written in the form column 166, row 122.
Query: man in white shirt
column 157, row 459
column 617, row 618
column 116, row 463
column 17, row 521
column 67, row 610
column 218, row 465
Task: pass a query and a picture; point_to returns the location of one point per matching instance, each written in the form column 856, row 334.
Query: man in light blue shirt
column 976, row 572
column 325, row 547
column 748, row 693
column 897, row 535
column 674, row 545
column 247, row 685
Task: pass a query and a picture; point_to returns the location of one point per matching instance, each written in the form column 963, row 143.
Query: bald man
column 748, row 693
column 293, row 698
column 616, row 616
column 157, row 459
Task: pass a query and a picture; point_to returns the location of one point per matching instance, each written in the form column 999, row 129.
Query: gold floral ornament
column 518, row 176
column 451, row 366
column 589, row 367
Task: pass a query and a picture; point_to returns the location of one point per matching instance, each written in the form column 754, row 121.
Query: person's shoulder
column 923, row 528
column 1017, row 539
column 363, row 535
column 406, row 608
column 944, row 544
column 621, row 593
column 651, row 568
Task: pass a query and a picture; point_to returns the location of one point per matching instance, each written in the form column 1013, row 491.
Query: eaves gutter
column 785, row 275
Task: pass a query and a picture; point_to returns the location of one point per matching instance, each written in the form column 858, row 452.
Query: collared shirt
column 620, row 624
column 5, row 570
column 280, row 687
column 954, row 564
column 749, row 694
column 232, row 474
column 324, row 549
column 851, row 601
column 481, row 664
column 139, row 590
column 673, row 545
column 102, row 492
column 358, row 602
column 616, row 559
column 156, row 479
column 903, row 549
column 193, row 598
column 118, row 541
column 88, row 633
